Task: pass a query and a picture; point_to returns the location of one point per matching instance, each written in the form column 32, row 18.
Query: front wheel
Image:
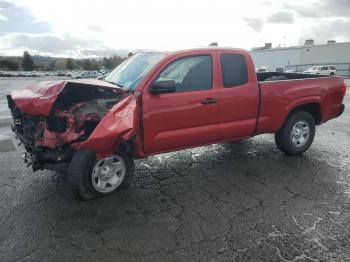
column 94, row 178
column 296, row 134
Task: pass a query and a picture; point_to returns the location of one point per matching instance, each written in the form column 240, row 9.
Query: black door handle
column 208, row 101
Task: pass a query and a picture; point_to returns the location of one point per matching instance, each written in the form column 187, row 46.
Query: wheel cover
column 108, row 174
column 300, row 133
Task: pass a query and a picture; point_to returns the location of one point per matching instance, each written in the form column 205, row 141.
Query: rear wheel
column 296, row 134
column 94, row 178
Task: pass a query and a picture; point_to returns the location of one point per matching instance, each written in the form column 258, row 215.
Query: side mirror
column 162, row 85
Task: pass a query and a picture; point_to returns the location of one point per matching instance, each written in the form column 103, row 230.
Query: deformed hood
column 38, row 99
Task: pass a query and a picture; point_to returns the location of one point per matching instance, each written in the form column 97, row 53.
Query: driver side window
column 190, row 73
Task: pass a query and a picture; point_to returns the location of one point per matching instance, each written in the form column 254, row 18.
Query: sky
column 77, row 28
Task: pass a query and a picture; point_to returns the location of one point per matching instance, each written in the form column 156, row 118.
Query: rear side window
column 324, row 68
column 332, row 67
column 234, row 70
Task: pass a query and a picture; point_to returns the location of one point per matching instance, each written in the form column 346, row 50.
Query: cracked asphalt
column 239, row 201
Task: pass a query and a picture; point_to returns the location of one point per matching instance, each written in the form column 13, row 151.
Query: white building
column 300, row 58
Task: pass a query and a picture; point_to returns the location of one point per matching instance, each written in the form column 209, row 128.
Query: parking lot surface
column 239, row 201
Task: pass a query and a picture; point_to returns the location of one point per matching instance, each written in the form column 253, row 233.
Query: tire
column 84, row 165
column 332, row 74
column 296, row 134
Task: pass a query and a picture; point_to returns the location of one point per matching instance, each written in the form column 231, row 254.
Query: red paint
column 119, row 123
column 38, row 99
column 280, row 98
column 173, row 121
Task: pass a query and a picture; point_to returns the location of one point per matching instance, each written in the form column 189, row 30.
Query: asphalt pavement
column 239, row 201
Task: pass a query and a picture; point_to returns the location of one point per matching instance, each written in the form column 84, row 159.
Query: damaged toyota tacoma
column 157, row 102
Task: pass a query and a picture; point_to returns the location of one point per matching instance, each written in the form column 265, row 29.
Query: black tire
column 80, row 172
column 283, row 137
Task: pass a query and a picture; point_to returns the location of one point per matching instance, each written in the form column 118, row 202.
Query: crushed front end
column 49, row 119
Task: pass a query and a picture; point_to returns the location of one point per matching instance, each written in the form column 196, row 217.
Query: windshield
column 314, row 68
column 130, row 73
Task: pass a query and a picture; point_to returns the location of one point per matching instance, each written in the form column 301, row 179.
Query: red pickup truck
column 158, row 102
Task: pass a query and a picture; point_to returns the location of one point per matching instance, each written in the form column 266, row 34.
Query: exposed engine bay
column 74, row 115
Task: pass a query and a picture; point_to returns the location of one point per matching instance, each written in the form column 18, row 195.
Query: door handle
column 208, row 101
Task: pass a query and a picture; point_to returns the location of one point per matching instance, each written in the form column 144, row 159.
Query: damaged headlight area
column 74, row 114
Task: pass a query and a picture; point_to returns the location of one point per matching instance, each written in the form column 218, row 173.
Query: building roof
column 296, row 47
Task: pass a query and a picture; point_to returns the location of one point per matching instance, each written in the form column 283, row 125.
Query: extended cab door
column 238, row 94
column 187, row 117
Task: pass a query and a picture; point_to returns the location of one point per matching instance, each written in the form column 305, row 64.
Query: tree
column 117, row 60
column 27, row 62
column 107, row 63
column 52, row 65
column 95, row 65
column 8, row 65
column 69, row 63
column 87, row 64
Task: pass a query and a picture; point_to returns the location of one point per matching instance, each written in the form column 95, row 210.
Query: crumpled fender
column 118, row 124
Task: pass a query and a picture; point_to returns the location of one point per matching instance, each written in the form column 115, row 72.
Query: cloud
column 322, row 8
column 95, row 28
column 57, row 46
column 15, row 19
column 281, row 17
column 6, row 5
column 266, row 3
column 328, row 30
column 256, row 24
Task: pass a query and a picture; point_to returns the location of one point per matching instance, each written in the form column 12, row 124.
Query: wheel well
column 127, row 147
column 313, row 109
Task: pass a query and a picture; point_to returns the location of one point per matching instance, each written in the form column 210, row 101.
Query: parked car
column 20, row 74
column 69, row 74
column 27, row 74
column 262, row 69
column 6, row 74
column 60, row 73
column 86, row 74
column 36, row 74
column 160, row 102
column 102, row 77
column 321, row 70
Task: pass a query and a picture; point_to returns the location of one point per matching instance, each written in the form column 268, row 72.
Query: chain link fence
column 343, row 69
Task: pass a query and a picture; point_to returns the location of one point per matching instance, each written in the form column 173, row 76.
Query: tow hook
column 27, row 158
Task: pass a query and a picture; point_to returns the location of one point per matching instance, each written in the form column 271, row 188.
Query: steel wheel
column 300, row 133
column 108, row 174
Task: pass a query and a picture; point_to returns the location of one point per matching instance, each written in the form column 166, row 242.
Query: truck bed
column 281, row 92
column 277, row 76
